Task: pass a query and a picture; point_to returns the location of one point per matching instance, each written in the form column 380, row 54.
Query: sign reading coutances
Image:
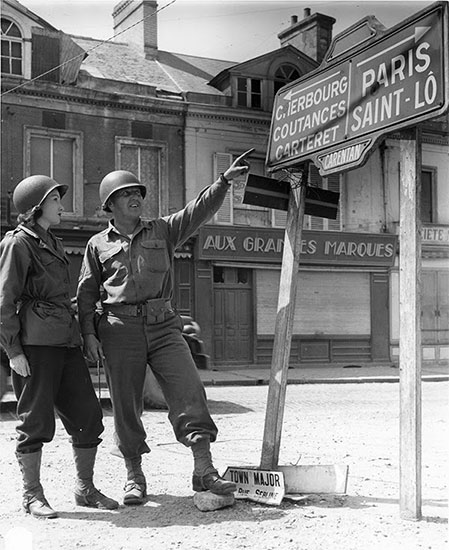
column 317, row 247
column 335, row 114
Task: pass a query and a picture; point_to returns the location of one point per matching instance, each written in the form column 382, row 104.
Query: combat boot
column 205, row 476
column 136, row 486
column 86, row 494
column 34, row 501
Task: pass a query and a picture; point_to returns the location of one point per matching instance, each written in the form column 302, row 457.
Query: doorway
column 233, row 315
column 435, row 307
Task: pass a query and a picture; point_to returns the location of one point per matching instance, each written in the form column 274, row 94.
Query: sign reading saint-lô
column 334, row 115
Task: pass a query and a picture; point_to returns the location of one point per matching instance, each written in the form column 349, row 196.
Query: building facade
column 178, row 121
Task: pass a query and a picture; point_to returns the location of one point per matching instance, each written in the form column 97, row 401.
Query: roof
column 171, row 72
column 20, row 7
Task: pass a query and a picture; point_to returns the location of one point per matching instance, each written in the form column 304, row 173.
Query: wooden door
column 233, row 313
column 435, row 307
column 443, row 307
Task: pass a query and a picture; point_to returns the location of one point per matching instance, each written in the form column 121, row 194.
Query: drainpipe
column 382, row 152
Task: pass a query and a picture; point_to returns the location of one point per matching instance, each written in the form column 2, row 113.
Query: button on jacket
column 138, row 269
column 35, row 304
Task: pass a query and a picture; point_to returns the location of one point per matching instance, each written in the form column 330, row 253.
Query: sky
column 233, row 30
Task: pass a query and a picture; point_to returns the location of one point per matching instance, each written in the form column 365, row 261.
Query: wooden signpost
column 283, row 329
column 410, row 327
column 381, row 81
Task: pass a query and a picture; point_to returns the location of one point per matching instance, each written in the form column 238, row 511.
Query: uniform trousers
column 130, row 344
column 59, row 380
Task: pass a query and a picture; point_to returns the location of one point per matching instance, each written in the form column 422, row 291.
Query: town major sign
column 371, row 82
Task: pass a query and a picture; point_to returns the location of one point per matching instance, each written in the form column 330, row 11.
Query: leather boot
column 34, row 501
column 205, row 476
column 136, row 486
column 86, row 494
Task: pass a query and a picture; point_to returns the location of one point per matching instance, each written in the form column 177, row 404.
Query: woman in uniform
column 40, row 335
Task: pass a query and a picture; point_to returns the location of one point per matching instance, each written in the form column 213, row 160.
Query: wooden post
column 283, row 329
column 410, row 326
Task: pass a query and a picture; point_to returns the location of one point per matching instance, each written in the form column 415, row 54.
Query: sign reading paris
column 335, row 115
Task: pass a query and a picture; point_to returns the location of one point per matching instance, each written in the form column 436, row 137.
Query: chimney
column 141, row 16
column 312, row 35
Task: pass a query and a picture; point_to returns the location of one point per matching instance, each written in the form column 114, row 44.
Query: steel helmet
column 32, row 191
column 119, row 179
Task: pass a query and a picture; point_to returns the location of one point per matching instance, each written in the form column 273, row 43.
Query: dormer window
column 249, row 92
column 11, row 48
column 284, row 75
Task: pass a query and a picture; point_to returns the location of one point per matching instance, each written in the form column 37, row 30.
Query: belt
column 153, row 310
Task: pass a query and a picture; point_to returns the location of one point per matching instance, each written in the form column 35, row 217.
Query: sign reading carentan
column 317, row 247
column 335, row 115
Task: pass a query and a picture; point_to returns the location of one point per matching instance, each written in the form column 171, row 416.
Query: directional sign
column 272, row 193
column 334, row 115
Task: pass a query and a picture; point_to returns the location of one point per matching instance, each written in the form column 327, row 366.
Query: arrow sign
column 335, row 115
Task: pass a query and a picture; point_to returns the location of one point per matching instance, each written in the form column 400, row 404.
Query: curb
column 358, row 380
column 9, row 405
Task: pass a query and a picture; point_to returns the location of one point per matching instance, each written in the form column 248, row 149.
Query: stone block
column 207, row 501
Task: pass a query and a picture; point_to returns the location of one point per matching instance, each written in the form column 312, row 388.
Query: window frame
column 77, row 156
column 277, row 80
column 162, row 148
column 434, row 190
column 249, row 92
column 13, row 40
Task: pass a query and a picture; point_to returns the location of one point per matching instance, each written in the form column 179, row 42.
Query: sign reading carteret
column 258, row 485
column 365, row 88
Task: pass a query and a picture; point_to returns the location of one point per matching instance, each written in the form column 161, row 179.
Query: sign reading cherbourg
column 334, row 115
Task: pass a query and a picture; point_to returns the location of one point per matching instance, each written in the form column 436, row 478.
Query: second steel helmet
column 119, row 179
column 32, row 191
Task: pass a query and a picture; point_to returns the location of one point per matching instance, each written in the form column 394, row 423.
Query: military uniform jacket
column 133, row 270
column 35, row 304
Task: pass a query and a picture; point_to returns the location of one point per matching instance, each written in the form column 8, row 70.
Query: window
column 249, row 92
column 284, row 75
column 233, row 210
column 428, row 177
column 147, row 159
column 11, row 48
column 57, row 154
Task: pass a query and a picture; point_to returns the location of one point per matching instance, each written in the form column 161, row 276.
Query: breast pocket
column 51, row 266
column 153, row 256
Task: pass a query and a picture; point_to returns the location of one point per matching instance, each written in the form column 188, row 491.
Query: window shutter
column 315, row 180
column 45, row 55
column 222, row 161
column 333, row 184
column 279, row 218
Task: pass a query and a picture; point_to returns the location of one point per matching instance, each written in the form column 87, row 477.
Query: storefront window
column 242, row 276
column 218, row 274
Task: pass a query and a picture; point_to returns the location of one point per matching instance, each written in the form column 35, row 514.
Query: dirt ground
column 353, row 424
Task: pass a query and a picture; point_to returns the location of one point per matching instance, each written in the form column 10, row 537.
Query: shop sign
column 317, row 247
column 437, row 234
column 335, row 115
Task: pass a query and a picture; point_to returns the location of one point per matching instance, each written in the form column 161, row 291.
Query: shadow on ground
column 169, row 510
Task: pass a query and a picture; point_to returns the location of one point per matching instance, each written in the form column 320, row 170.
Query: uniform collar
column 140, row 225
column 46, row 239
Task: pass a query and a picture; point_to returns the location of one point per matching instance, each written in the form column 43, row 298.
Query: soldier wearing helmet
column 40, row 335
column 132, row 261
